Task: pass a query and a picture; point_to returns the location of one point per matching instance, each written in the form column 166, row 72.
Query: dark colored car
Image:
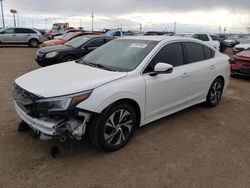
column 150, row 33
column 71, row 50
column 241, row 64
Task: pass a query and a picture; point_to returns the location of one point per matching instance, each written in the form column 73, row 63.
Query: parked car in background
column 244, row 45
column 71, row 50
column 231, row 42
column 150, row 33
column 114, row 33
column 66, row 37
column 241, row 64
column 126, row 83
column 207, row 38
column 18, row 35
column 55, row 36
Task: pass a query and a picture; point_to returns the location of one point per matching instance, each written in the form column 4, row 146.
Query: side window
column 214, row 37
column 209, row 53
column 24, row 31
column 202, row 37
column 194, row 52
column 117, row 34
column 171, row 54
column 96, row 43
column 9, row 31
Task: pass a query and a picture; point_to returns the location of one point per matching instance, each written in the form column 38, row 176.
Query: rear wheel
column 113, row 128
column 215, row 92
column 33, row 43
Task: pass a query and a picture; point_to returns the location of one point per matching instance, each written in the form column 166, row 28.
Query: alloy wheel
column 118, row 127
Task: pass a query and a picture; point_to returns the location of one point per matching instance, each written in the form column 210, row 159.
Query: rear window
column 202, row 37
column 209, row 53
column 24, row 30
column 194, row 52
column 214, row 37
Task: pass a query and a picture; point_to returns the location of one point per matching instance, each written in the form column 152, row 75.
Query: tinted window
column 96, row 43
column 9, row 31
column 208, row 52
column 117, row 33
column 194, row 52
column 171, row 54
column 214, row 37
column 24, row 30
column 202, row 37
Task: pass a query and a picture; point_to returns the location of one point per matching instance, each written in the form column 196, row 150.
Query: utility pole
column 18, row 18
column 2, row 12
column 92, row 17
column 73, row 20
column 220, row 29
column 46, row 23
column 175, row 26
column 13, row 11
column 140, row 26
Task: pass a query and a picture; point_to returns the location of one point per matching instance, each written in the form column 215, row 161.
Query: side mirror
column 162, row 68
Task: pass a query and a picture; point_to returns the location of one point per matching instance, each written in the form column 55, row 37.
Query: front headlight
column 51, row 54
column 61, row 103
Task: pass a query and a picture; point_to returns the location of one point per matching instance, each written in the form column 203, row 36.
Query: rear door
column 23, row 35
column 200, row 68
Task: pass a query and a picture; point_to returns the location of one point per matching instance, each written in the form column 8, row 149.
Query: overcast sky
column 192, row 15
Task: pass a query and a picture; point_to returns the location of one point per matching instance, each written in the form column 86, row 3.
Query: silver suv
column 14, row 35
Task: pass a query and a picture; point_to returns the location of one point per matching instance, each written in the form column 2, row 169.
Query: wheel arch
column 133, row 103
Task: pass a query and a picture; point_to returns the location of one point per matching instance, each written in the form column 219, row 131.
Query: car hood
column 245, row 46
column 54, row 48
column 53, row 42
column 66, row 78
column 244, row 55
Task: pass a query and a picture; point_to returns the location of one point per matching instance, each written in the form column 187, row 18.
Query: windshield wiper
column 96, row 65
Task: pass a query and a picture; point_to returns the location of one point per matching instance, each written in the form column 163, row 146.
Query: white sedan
column 126, row 83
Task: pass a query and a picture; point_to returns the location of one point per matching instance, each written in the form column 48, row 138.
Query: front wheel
column 215, row 93
column 113, row 128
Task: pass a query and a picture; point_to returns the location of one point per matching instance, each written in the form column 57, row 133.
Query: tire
column 108, row 131
column 68, row 58
column 215, row 93
column 33, row 43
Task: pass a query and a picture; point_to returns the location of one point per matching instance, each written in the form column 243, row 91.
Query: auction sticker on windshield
column 138, row 45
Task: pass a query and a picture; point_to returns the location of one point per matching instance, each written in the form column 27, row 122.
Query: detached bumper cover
column 42, row 125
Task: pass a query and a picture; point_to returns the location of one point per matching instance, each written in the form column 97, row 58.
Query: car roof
column 158, row 38
column 94, row 36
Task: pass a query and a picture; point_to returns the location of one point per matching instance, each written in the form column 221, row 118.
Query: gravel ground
column 197, row 147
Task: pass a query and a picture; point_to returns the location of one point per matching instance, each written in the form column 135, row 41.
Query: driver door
column 8, row 35
column 166, row 92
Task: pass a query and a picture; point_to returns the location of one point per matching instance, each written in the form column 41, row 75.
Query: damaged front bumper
column 48, row 128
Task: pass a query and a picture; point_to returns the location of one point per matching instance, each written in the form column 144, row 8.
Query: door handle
column 13, row 35
column 28, row 35
column 212, row 67
column 185, row 75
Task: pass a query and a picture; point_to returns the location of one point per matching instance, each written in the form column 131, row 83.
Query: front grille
column 25, row 100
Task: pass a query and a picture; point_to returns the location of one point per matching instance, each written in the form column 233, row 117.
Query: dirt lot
column 198, row 147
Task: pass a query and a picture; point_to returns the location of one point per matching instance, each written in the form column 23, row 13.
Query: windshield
column 77, row 42
column 121, row 55
column 66, row 36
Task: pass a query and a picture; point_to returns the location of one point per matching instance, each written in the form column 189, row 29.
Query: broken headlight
column 59, row 104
